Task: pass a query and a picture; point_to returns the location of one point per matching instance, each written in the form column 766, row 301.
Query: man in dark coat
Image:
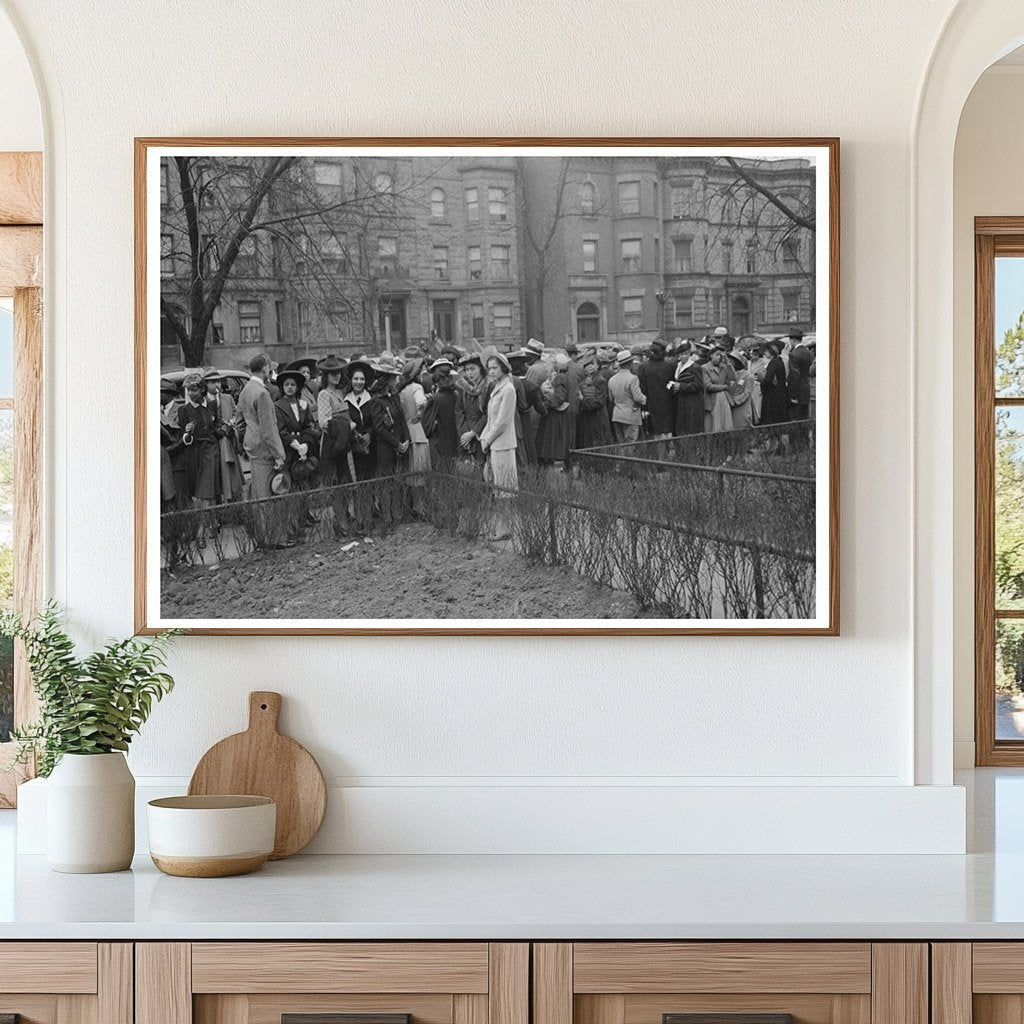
column 799, row 382
column 655, row 376
column 689, row 390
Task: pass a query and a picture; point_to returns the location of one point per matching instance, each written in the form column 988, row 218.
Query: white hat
column 625, row 356
column 721, row 332
column 535, row 346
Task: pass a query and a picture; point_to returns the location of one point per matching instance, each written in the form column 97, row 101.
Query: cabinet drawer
column 730, row 983
column 67, row 967
column 332, row 983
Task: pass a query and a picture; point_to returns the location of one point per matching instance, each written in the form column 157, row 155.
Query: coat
column 500, row 431
column 774, row 392
column 444, row 440
column 593, row 427
column 799, row 384
column 690, row 399
column 390, row 430
column 627, row 398
column 654, row 377
column 557, row 431
column 262, row 440
column 301, row 428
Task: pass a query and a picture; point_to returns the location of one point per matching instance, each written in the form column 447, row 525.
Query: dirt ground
column 416, row 572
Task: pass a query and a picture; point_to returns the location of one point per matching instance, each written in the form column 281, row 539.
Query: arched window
column 588, row 198
column 438, row 204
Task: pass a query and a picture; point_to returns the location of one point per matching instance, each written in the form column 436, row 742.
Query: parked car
column 597, row 347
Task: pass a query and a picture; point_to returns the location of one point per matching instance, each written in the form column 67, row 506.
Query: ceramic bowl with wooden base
column 211, row 836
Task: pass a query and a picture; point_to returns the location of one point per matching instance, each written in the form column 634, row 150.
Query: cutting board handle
column 264, row 710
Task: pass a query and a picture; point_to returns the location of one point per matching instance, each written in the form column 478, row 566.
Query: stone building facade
column 644, row 246
column 361, row 254
column 365, row 253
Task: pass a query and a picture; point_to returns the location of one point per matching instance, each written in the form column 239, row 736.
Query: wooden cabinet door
column 730, row 983
column 332, row 983
column 978, row 983
column 66, row 982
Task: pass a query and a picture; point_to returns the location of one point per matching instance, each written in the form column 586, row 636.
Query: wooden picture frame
column 823, row 155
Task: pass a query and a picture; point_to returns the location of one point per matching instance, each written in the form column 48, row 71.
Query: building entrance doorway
column 588, row 322
column 444, row 320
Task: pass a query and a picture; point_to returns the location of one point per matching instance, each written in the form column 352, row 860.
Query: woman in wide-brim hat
column 297, row 426
column 307, row 367
column 333, row 419
column 360, row 376
column 413, row 400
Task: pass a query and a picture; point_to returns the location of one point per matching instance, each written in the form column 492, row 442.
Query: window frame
column 626, row 262
column 993, row 237
column 623, row 211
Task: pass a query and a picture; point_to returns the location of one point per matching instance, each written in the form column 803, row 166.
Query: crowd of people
column 320, row 422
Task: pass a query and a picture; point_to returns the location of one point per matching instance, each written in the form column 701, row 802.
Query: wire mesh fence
column 657, row 539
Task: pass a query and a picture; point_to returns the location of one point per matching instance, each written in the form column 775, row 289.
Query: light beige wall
column 988, row 180
column 21, row 126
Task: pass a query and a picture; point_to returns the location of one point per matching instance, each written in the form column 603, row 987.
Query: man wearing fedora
column 261, row 440
column 627, row 398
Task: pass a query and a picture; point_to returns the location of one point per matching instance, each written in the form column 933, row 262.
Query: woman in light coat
column 498, row 440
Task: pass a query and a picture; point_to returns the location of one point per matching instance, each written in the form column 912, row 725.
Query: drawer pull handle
column 727, row 1018
column 342, row 1018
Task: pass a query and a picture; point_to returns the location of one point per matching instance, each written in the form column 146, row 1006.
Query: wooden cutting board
column 262, row 762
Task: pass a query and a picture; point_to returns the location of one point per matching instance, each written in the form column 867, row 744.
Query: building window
column 497, row 203
column 250, row 323
column 589, row 256
column 383, row 184
column 629, row 197
column 503, row 316
column 657, row 255
column 167, row 255
column 500, row 269
column 247, row 260
column 165, row 180
column 791, row 255
column 766, row 309
column 217, row 326
column 681, row 199
column 682, row 255
column 633, row 313
column 632, row 260
column 478, row 320
column 438, row 204
column 682, row 309
column 441, row 271
column 279, row 321
column 790, row 304
column 751, row 257
column 472, row 204
column 334, row 253
column 387, row 253
column 476, row 271
column 588, row 199
column 727, row 257
column 327, row 174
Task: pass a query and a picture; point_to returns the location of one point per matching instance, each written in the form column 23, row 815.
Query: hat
column 492, row 353
column 280, row 482
column 624, row 357
column 451, row 352
column 442, row 364
column 412, row 352
column 191, row 380
column 720, row 332
column 297, row 364
column 562, row 360
column 737, row 361
column 658, row 347
column 606, row 355
column 168, row 385
column 330, row 364
column 387, row 363
column 535, row 346
column 413, row 366
column 296, row 375
column 776, row 345
column 796, row 333
column 638, row 350
column 211, row 374
column 571, row 348
column 590, row 361
column 471, row 357
column 359, row 364
column 702, row 348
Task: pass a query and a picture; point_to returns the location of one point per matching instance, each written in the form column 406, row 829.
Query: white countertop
column 517, row 897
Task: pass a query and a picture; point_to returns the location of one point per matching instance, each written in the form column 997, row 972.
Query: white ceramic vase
column 90, row 814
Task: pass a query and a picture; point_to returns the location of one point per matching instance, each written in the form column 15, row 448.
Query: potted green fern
column 89, row 710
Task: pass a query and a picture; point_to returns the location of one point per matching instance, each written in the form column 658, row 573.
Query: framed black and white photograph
column 564, row 386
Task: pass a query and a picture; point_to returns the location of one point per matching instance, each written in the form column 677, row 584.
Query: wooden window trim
column 21, row 270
